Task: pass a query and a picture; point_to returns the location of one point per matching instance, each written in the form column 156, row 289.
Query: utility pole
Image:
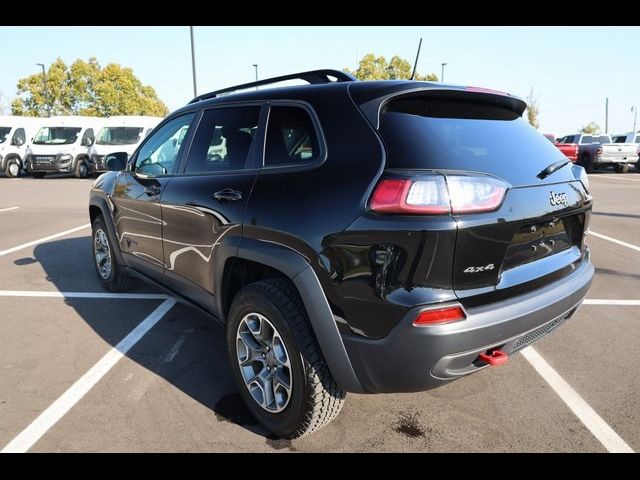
column 606, row 116
column 45, row 92
column 415, row 65
column 255, row 65
column 442, row 75
column 193, row 64
column 635, row 116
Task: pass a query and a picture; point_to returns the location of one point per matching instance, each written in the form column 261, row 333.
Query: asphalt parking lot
column 63, row 386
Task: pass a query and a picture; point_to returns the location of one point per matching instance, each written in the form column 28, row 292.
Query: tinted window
column 160, row 152
column 223, row 140
column 619, row 139
column 604, row 139
column 568, row 139
column 19, row 137
column 438, row 133
column 291, row 137
column 586, row 139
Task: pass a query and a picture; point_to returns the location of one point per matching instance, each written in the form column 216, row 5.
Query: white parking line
column 602, row 177
column 605, row 301
column 587, row 415
column 124, row 296
column 8, row 209
column 44, row 239
column 615, row 240
column 58, row 409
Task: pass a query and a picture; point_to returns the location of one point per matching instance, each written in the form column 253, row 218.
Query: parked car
column 62, row 145
column 596, row 151
column 570, row 150
column 351, row 236
column 15, row 133
column 119, row 134
column 629, row 138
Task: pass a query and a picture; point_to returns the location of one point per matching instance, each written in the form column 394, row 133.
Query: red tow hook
column 494, row 357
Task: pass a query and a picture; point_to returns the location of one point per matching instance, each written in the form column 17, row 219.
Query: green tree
column 590, row 128
column 533, row 110
column 85, row 88
column 377, row 68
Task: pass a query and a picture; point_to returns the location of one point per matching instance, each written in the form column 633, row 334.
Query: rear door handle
column 228, row 195
column 152, row 190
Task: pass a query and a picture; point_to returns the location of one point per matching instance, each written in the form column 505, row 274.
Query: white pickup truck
column 595, row 151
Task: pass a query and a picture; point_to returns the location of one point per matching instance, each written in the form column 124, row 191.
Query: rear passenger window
column 223, row 140
column 291, row 138
column 587, row 139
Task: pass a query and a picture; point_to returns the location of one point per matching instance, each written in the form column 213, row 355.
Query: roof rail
column 312, row 76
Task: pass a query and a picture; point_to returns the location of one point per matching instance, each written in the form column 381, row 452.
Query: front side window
column 291, row 137
column 160, row 152
column 223, row 140
column 4, row 133
column 57, row 136
column 119, row 136
column 586, row 139
column 19, row 137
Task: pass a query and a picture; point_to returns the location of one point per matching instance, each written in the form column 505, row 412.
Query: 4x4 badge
column 558, row 199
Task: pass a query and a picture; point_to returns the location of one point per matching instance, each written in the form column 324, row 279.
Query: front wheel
column 277, row 363
column 81, row 170
column 110, row 273
column 12, row 169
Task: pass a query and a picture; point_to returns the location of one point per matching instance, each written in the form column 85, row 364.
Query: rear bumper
column 420, row 358
column 603, row 160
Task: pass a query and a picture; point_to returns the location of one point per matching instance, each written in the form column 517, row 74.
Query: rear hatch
column 535, row 234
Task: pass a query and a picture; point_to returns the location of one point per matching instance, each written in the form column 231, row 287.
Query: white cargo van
column 62, row 144
column 119, row 134
column 15, row 134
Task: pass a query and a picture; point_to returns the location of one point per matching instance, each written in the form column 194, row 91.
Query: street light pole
column 255, row 65
column 193, row 64
column 635, row 117
column 45, row 92
column 442, row 75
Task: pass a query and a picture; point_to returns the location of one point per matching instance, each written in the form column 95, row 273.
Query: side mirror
column 87, row 141
column 18, row 142
column 116, row 161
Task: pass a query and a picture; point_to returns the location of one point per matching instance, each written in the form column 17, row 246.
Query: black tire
column 621, row 168
column 81, row 170
column 586, row 162
column 38, row 174
column 315, row 398
column 10, row 168
column 117, row 279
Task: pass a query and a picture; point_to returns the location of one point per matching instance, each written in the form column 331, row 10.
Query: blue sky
column 571, row 69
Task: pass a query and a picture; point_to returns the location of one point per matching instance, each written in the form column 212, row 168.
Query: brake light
column 599, row 151
column 439, row 316
column 437, row 194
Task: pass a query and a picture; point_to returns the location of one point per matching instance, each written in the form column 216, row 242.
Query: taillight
column 437, row 194
column 599, row 151
column 439, row 316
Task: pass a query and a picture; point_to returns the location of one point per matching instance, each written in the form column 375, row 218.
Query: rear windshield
column 463, row 135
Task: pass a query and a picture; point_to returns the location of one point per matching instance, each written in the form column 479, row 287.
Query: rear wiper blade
column 554, row 167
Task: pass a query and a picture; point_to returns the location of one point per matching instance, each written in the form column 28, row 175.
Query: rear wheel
column 586, row 162
column 81, row 170
column 38, row 174
column 277, row 363
column 12, row 168
column 621, row 168
column 110, row 273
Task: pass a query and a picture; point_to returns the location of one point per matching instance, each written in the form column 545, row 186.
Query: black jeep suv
column 383, row 236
